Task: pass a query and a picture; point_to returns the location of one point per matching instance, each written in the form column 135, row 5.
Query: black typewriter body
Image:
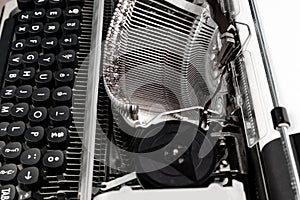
column 134, row 99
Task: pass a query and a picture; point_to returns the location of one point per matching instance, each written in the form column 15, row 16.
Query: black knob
column 185, row 156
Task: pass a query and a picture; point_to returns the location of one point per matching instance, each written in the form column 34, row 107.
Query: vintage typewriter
column 138, row 100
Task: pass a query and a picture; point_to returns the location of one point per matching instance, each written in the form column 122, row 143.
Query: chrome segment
column 89, row 129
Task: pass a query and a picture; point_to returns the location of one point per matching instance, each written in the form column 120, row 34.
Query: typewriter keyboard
column 39, row 140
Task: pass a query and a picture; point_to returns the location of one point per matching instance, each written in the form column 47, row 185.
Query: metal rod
column 286, row 142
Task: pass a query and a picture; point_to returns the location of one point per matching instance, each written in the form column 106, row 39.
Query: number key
column 71, row 26
column 41, row 4
column 69, row 42
column 60, row 115
column 67, row 59
column 73, row 12
column 64, row 77
column 62, row 96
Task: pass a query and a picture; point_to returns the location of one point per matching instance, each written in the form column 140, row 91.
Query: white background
column 281, row 26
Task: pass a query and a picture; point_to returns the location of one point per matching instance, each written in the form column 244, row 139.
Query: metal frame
column 85, row 190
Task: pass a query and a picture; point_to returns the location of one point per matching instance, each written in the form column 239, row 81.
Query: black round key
column 5, row 109
column 30, row 59
column 72, row 12
column 8, row 173
column 52, row 29
column 58, row 138
column 3, row 131
column 67, row 59
column 41, row 4
column 38, row 15
column 36, row 29
column 24, row 17
column 57, row 3
column 15, row 62
column 23, row 93
column 64, row 77
column 12, row 151
column 34, row 43
column 71, row 26
column 27, row 75
column 18, row 46
column 34, row 137
column 30, row 157
column 44, row 79
column 54, row 162
column 29, row 178
column 20, row 111
column 69, row 42
column 22, row 31
column 60, row 115
column 41, row 97
column 12, row 77
column 50, row 45
column 25, row 4
column 8, row 93
column 16, row 131
column 8, row 192
column 38, row 116
column 54, row 15
column 47, row 62
column 62, row 96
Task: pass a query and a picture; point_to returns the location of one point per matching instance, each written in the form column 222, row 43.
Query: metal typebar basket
column 159, row 58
